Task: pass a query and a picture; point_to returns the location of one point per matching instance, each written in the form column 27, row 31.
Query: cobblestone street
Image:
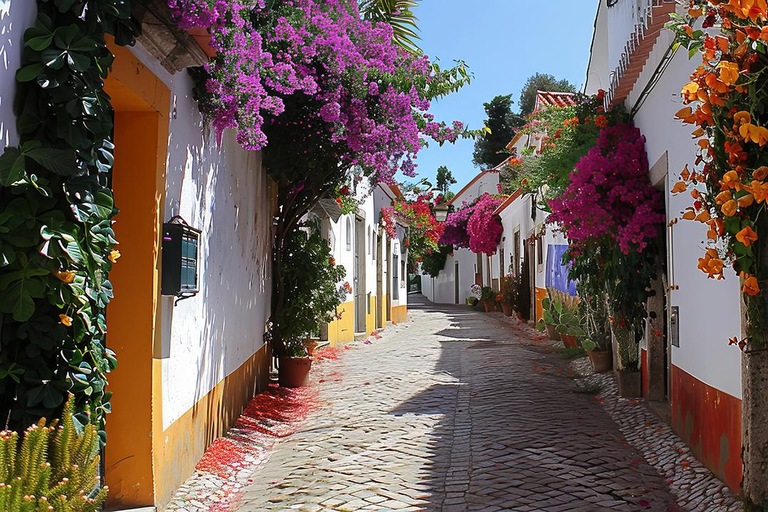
column 448, row 413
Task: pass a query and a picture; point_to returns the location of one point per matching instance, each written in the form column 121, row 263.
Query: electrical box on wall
column 180, row 260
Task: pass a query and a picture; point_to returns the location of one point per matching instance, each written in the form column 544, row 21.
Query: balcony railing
column 633, row 27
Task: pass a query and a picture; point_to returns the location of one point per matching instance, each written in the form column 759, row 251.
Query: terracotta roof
column 508, row 201
column 396, row 190
column 474, row 180
column 554, row 99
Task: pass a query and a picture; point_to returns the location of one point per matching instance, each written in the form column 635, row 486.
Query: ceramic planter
column 601, row 360
column 629, row 383
column 552, row 332
column 569, row 341
column 294, row 371
column 507, row 309
column 488, row 305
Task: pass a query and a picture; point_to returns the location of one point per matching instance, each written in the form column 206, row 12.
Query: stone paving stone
column 458, row 411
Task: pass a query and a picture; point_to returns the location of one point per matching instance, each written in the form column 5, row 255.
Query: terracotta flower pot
column 507, row 309
column 601, row 360
column 488, row 306
column 569, row 341
column 311, row 346
column 630, row 383
column 294, row 371
column 552, row 332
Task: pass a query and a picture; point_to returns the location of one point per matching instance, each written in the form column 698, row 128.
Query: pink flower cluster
column 474, row 226
column 609, row 198
column 371, row 92
column 484, row 227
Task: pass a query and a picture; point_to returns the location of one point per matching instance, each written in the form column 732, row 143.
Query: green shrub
column 54, row 468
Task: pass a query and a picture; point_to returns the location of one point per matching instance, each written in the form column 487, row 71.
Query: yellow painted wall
column 141, row 105
column 182, row 444
column 541, row 294
column 399, row 314
column 343, row 329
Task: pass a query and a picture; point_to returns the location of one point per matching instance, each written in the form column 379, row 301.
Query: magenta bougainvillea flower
column 609, row 198
column 484, row 227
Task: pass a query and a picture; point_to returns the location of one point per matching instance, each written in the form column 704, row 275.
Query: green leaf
column 20, row 288
column 47, row 394
column 12, row 168
column 57, row 161
column 30, row 72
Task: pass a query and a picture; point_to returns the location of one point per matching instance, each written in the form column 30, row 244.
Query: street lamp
column 441, row 212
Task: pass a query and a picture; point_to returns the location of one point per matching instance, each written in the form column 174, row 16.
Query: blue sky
column 503, row 42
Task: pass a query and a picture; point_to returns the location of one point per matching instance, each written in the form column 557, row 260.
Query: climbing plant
column 57, row 245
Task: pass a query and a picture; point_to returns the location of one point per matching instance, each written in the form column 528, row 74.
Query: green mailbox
column 180, row 260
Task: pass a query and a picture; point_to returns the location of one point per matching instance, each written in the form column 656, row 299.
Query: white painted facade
column 15, row 17
column 709, row 310
column 446, row 288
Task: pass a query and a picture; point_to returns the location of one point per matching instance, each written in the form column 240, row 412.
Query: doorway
column 455, row 282
column 361, row 307
column 379, row 282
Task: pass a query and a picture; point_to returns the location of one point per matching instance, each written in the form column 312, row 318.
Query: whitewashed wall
column 15, row 17
column 709, row 310
column 223, row 191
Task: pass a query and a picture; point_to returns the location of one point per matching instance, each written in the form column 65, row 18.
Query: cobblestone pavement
column 450, row 412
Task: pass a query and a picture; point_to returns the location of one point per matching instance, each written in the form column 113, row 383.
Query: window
column 370, row 240
column 349, row 234
column 516, row 252
column 402, row 272
column 540, row 250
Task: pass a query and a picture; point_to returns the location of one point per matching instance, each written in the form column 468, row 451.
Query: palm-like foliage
column 399, row 14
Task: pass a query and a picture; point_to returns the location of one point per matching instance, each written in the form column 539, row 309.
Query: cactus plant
column 54, row 468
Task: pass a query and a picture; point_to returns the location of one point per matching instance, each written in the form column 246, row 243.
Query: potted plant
column 509, row 290
column 552, row 310
column 597, row 341
column 487, row 297
column 569, row 328
column 312, row 280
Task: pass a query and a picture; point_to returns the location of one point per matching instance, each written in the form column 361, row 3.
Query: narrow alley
column 451, row 412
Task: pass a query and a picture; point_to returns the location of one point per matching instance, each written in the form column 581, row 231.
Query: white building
column 376, row 267
column 691, row 368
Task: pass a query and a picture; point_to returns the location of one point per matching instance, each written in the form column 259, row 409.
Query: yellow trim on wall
column 400, row 314
column 342, row 330
column 541, row 294
column 370, row 317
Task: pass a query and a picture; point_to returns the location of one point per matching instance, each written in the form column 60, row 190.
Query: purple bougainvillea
column 374, row 95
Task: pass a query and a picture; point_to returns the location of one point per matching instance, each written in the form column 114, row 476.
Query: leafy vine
column 57, row 245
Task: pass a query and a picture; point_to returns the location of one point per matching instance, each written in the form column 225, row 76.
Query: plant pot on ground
column 488, row 299
column 294, row 371
column 569, row 340
column 509, row 294
column 602, row 360
column 507, row 309
column 630, row 383
column 570, row 328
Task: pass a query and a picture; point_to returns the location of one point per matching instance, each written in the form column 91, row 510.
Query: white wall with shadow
column 15, row 17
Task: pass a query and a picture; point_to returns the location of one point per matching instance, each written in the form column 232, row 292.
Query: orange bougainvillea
column 725, row 103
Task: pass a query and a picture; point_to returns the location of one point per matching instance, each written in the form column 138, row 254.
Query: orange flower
column 65, row 320
column 746, row 236
column 729, row 72
column 729, row 208
column 750, row 286
column 703, row 216
column 742, row 117
column 114, row 256
column 731, row 180
column 686, row 174
column 745, row 201
column 760, row 173
column 723, row 197
column 711, row 264
column 601, row 121
column 65, row 276
column 756, row 134
column 689, row 215
column 717, row 85
column 690, row 91
column 759, row 191
column 679, row 187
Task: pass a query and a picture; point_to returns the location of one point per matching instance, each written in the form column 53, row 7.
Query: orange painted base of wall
column 541, row 294
column 400, row 314
column 709, row 421
column 179, row 447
